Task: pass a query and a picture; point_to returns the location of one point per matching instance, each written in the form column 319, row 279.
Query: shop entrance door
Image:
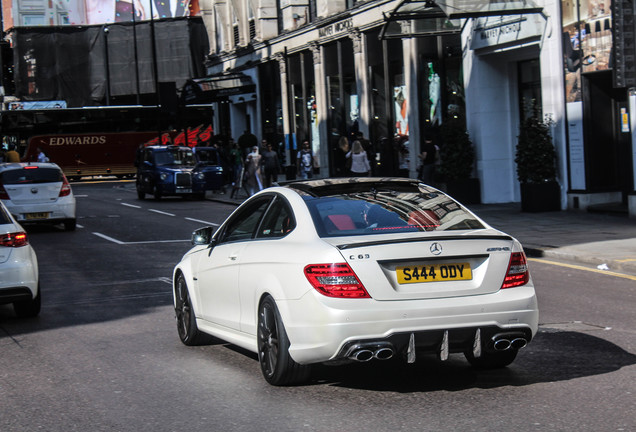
column 607, row 142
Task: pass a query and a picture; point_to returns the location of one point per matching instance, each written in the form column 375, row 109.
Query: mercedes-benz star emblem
column 34, row 190
column 436, row 248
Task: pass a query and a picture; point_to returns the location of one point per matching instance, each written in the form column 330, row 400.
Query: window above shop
column 412, row 18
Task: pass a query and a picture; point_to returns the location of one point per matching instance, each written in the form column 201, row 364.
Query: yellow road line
column 578, row 267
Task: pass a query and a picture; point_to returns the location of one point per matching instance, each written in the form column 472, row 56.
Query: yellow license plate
column 434, row 273
column 41, row 215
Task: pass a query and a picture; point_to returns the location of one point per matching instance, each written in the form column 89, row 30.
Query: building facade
column 395, row 71
column 324, row 69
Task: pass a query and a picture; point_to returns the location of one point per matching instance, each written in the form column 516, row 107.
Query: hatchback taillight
column 66, row 187
column 335, row 280
column 17, row 239
column 518, row 273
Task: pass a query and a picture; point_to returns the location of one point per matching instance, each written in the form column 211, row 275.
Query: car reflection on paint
column 355, row 269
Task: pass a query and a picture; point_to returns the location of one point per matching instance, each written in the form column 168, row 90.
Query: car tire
column 492, row 360
column 273, row 348
column 187, row 328
column 70, row 224
column 140, row 194
column 156, row 193
column 28, row 308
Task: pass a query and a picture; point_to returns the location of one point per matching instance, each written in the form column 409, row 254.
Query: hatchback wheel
column 273, row 348
column 70, row 224
column 186, row 321
column 28, row 308
column 492, row 360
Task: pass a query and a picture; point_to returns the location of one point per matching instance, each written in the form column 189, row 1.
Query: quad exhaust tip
column 503, row 342
column 365, row 354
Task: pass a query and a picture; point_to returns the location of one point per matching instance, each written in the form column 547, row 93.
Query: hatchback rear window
column 32, row 174
column 392, row 208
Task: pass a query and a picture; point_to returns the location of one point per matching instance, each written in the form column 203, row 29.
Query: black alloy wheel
column 186, row 321
column 273, row 348
column 28, row 308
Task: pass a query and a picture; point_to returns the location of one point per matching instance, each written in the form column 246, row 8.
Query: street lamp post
column 107, row 65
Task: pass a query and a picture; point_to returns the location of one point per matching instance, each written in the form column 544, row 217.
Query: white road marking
column 201, row 221
column 81, row 196
column 119, row 242
column 161, row 212
column 105, row 237
column 79, row 226
column 130, row 205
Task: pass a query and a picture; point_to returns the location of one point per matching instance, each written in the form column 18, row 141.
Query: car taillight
column 14, row 239
column 66, row 187
column 3, row 192
column 335, row 280
column 518, row 273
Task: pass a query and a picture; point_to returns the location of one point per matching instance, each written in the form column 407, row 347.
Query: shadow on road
column 552, row 356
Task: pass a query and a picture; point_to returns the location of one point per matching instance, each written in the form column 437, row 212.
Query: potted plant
column 457, row 161
column 536, row 167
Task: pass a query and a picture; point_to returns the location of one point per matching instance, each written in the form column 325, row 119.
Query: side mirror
column 202, row 236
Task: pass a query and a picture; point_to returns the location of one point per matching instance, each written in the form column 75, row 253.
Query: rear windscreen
column 388, row 211
column 29, row 175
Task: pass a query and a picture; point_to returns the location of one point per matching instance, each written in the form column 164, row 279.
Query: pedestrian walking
column 271, row 164
column 359, row 162
column 305, row 161
column 41, row 156
column 254, row 180
column 12, row 155
column 427, row 157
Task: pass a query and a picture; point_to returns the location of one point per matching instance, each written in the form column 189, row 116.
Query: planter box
column 540, row 197
column 466, row 191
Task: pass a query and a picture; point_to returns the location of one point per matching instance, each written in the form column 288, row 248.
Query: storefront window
column 587, row 41
column 342, row 97
column 271, row 106
column 529, row 76
column 385, row 59
column 303, row 95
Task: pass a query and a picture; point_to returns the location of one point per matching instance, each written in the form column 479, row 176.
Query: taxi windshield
column 177, row 156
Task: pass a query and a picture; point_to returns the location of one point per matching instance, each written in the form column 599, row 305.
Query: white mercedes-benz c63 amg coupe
column 355, row 269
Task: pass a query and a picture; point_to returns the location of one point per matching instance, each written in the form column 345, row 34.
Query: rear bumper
column 19, row 276
column 58, row 211
column 15, row 294
column 323, row 329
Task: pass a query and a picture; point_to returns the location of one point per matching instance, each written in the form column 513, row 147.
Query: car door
column 265, row 259
column 218, row 270
column 145, row 171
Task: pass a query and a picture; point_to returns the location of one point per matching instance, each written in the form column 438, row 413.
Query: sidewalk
column 589, row 239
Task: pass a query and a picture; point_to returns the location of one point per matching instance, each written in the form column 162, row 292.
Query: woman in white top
column 359, row 162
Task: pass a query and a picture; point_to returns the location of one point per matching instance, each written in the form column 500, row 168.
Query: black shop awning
column 217, row 88
column 413, row 18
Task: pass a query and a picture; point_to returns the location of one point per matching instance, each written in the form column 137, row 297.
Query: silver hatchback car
column 37, row 193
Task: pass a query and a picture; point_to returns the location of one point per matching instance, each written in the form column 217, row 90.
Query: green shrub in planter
column 535, row 156
column 536, row 167
column 457, row 160
column 457, row 154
